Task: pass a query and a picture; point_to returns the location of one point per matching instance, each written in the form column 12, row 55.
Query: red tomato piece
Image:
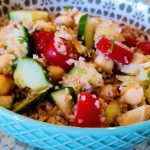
column 55, row 58
column 116, row 51
column 88, row 112
column 41, row 38
column 130, row 42
column 145, row 47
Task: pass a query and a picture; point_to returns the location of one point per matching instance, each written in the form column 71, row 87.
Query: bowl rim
column 18, row 117
column 21, row 118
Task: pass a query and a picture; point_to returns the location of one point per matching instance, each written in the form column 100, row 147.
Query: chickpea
column 105, row 64
column 56, row 72
column 5, row 60
column 133, row 94
column 5, row 85
column 108, row 92
column 68, row 21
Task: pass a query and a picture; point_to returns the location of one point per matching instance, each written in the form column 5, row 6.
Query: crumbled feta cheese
column 97, row 104
column 126, row 60
column 35, row 56
column 70, row 61
column 83, row 98
column 80, row 121
column 81, row 58
column 56, row 87
column 93, row 95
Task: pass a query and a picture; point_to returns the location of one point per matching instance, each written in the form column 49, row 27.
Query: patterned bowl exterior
column 55, row 137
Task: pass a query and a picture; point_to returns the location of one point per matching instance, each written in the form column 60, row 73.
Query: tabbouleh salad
column 74, row 69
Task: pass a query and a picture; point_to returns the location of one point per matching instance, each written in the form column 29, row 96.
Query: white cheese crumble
column 70, row 61
column 126, row 60
column 97, row 104
column 80, row 121
column 93, row 95
column 83, row 98
column 35, row 56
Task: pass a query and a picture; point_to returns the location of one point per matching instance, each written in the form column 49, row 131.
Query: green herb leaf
column 68, row 7
column 7, row 69
column 22, row 39
column 112, row 46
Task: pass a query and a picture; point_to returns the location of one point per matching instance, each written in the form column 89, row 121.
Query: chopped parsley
column 68, row 7
column 22, row 39
column 112, row 46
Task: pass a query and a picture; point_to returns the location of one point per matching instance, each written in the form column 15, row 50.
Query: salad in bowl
column 74, row 69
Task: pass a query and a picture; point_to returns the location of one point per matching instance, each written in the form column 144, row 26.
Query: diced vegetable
column 29, row 102
column 86, row 30
column 28, row 73
column 88, row 112
column 27, row 16
column 6, row 85
column 144, row 47
column 83, row 76
column 139, row 114
column 144, row 75
column 130, row 42
column 131, row 69
column 41, row 38
column 64, row 99
column 112, row 49
column 18, row 42
column 112, row 111
column 53, row 56
column 44, row 43
column 6, row 101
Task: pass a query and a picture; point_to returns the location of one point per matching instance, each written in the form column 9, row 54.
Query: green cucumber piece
column 92, row 78
column 6, row 101
column 29, row 102
column 27, row 15
column 29, row 73
column 64, row 99
column 86, row 30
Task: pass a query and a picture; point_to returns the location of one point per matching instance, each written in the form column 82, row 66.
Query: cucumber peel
column 64, row 99
column 27, row 15
column 29, row 73
column 86, row 30
column 23, row 105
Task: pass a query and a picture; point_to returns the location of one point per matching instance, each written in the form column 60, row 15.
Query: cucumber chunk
column 83, row 77
column 29, row 73
column 27, row 16
column 64, row 99
column 6, row 101
column 29, row 102
column 86, row 30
